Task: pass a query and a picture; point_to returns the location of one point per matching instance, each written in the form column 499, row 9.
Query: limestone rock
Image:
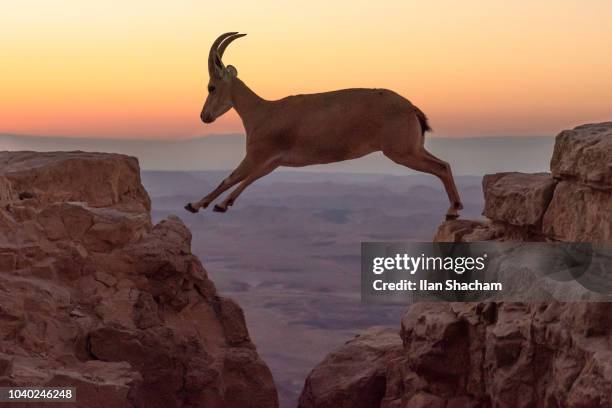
column 517, row 198
column 460, row 230
column 578, row 213
column 475, row 355
column 471, row 230
column 93, row 295
column 100, row 180
column 584, row 154
column 502, row 354
column 353, row 376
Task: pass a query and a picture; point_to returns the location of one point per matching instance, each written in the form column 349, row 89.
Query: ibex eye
column 211, row 88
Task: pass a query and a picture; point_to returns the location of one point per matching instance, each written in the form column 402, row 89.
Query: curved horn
column 227, row 42
column 212, row 54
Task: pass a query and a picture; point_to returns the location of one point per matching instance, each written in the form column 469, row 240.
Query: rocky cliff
column 573, row 203
column 92, row 295
column 499, row 354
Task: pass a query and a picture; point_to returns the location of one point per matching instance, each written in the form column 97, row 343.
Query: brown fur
column 423, row 121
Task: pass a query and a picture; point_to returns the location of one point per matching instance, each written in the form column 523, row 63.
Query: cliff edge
column 94, row 296
column 455, row 355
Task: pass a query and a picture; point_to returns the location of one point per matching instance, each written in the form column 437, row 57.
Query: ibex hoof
column 218, row 208
column 190, row 208
column 450, row 217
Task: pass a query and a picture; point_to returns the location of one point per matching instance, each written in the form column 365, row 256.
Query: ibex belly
column 328, row 147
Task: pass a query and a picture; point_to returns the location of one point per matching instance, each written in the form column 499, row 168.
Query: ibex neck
column 247, row 103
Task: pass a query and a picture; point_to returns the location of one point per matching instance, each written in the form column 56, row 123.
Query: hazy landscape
column 467, row 155
column 288, row 252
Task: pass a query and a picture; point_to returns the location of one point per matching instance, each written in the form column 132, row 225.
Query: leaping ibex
column 314, row 129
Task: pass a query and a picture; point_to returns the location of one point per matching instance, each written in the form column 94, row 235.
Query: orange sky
column 137, row 69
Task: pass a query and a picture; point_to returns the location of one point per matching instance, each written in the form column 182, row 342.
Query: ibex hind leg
column 422, row 160
column 456, row 199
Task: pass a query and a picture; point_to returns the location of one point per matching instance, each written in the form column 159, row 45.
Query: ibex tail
column 422, row 120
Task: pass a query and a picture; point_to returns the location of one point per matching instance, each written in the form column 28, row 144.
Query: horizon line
column 194, row 138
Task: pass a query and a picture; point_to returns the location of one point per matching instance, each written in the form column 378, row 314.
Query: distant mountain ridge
column 467, row 156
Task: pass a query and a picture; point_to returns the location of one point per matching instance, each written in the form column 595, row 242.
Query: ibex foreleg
column 257, row 174
column 240, row 173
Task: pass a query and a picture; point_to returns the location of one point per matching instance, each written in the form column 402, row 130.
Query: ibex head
column 218, row 100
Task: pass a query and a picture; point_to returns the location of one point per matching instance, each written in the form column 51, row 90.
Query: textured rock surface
column 354, row 376
column 93, row 295
column 575, row 208
column 517, row 198
column 505, row 355
column 578, row 213
column 459, row 230
column 100, row 180
column 584, row 154
column 457, row 355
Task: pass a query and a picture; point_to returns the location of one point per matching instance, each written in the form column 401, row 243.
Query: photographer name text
column 405, row 263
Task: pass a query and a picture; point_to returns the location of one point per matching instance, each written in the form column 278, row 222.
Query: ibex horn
column 227, row 42
column 213, row 55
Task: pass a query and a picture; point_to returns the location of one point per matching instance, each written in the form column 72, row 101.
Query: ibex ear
column 231, row 71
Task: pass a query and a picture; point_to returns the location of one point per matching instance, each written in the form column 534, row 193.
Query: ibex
column 327, row 127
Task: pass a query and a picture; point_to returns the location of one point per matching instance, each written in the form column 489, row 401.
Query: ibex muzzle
column 318, row 128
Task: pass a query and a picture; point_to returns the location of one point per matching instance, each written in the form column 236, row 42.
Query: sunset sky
column 137, row 69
